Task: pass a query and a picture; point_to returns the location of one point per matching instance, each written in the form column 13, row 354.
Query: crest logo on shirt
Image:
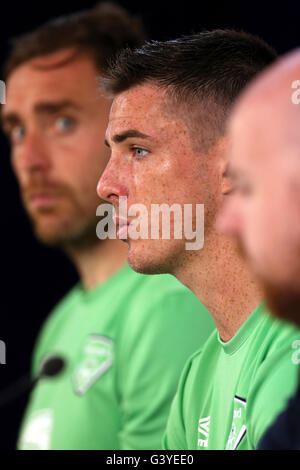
column 98, row 357
column 238, row 427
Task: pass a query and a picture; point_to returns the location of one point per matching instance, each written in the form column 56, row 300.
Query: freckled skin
column 175, row 170
column 170, row 173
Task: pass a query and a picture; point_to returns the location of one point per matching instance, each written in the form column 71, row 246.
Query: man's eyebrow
column 12, row 117
column 53, row 107
column 7, row 119
column 118, row 138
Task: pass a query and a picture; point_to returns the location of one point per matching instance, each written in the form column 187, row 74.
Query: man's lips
column 41, row 200
column 122, row 225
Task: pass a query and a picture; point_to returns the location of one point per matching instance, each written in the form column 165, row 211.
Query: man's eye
column 140, row 153
column 63, row 124
column 17, row 134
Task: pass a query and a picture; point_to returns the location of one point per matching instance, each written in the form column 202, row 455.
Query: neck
column 223, row 283
column 98, row 261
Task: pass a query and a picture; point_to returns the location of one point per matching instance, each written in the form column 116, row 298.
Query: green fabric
column 231, row 392
column 126, row 343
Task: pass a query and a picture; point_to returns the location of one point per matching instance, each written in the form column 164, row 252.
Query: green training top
column 231, row 392
column 125, row 344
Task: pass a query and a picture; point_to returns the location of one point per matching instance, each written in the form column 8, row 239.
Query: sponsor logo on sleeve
column 203, row 431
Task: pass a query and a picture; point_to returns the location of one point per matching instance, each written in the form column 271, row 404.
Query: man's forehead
column 143, row 108
column 53, row 59
column 252, row 151
column 37, row 82
column 140, row 100
column 264, row 123
column 56, row 71
column 59, row 60
column 239, row 153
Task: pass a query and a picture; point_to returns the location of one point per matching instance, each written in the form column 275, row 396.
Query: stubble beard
column 72, row 227
column 153, row 259
column 282, row 300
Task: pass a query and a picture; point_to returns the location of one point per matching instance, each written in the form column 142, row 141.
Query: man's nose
column 229, row 220
column 110, row 186
column 32, row 155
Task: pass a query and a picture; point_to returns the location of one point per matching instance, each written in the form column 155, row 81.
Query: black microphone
column 50, row 367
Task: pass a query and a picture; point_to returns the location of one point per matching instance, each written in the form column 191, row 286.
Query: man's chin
column 146, row 267
column 151, row 258
column 65, row 234
column 283, row 301
column 45, row 228
column 50, row 237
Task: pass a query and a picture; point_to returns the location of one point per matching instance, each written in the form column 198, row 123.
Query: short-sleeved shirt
column 230, row 393
column 125, row 344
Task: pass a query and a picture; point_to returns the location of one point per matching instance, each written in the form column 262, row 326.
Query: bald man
column 263, row 212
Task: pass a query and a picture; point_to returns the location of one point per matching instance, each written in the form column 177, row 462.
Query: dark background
column 33, row 277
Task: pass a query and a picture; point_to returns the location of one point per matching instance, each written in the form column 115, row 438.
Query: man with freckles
column 168, row 145
column 117, row 331
column 263, row 213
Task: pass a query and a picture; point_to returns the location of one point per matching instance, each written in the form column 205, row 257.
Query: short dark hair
column 203, row 73
column 100, row 31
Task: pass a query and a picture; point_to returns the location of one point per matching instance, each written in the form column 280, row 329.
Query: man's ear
column 223, row 164
column 226, row 181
